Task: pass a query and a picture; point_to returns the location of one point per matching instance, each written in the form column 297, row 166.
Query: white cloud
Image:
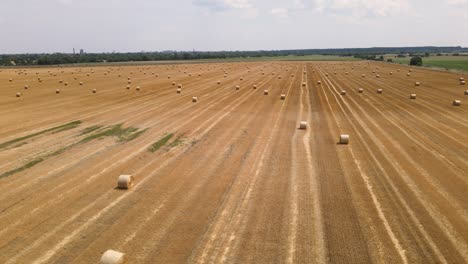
column 279, row 12
column 240, row 4
column 457, row 2
column 245, row 6
column 363, row 7
column 65, row 2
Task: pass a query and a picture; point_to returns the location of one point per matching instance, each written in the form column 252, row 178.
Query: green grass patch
column 444, row 62
column 179, row 140
column 67, row 127
column 160, row 143
column 54, row 129
column 90, row 129
column 122, row 134
column 132, row 136
column 26, row 166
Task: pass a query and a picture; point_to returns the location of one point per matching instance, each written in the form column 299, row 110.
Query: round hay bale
column 379, row 91
column 18, row 94
column 462, row 82
column 81, row 83
column 417, row 84
column 410, row 70
column 283, row 96
column 363, row 76
column 303, row 125
column 304, row 84
column 466, row 92
column 412, row 96
column 66, row 83
column 138, row 88
column 57, row 91
column 279, row 77
column 26, row 87
column 292, row 75
column 265, row 92
column 219, row 82
column 179, row 85
column 241, row 78
column 179, row 90
column 94, row 91
column 112, row 257
column 125, row 181
column 194, row 99
column 408, row 74
column 60, row 81
column 377, row 76
column 255, row 86
column 168, row 77
column 344, row 139
column 456, row 103
column 343, row 92
column 391, row 73
column 237, row 87
column 360, row 90
column 462, row 79
column 319, row 82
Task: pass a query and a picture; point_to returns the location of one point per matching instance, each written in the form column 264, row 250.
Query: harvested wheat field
column 213, row 174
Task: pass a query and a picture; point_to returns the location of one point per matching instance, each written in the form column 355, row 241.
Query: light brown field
column 238, row 182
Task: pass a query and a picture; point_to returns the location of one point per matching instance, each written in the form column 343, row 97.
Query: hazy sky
column 30, row 26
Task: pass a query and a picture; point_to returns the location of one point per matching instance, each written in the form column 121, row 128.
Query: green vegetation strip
column 122, row 135
column 27, row 166
column 162, row 142
column 54, row 129
column 90, row 129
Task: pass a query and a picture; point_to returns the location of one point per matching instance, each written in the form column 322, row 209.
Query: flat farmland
column 231, row 178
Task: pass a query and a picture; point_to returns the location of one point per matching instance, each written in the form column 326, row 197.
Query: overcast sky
column 32, row 26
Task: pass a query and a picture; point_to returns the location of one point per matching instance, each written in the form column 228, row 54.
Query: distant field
column 289, row 58
column 444, row 62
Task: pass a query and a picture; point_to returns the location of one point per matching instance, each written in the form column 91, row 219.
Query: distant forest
column 69, row 58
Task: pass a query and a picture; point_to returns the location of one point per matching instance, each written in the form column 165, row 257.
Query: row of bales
column 411, row 96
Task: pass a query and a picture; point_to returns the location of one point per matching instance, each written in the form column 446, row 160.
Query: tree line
column 67, row 58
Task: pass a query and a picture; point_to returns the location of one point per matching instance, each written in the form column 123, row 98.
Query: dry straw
column 125, row 181
column 344, row 139
column 112, row 257
column 303, row 125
